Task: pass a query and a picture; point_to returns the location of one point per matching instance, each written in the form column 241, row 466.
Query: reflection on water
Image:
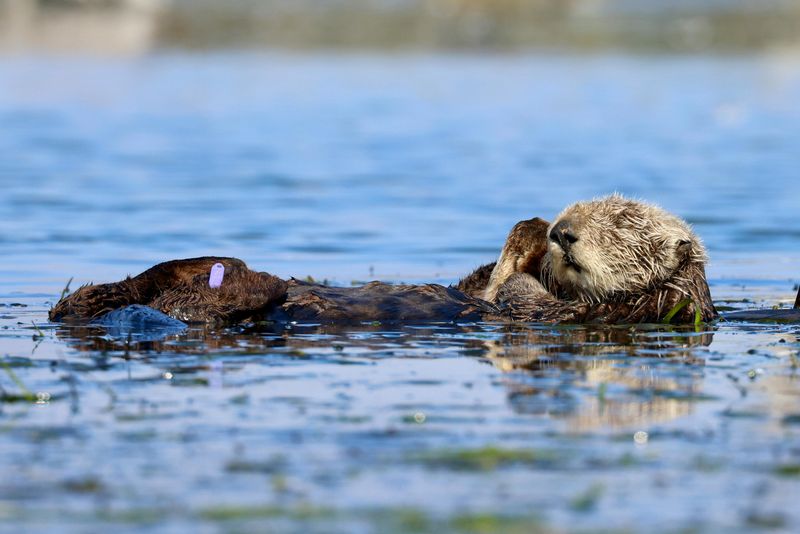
column 600, row 378
column 594, row 378
column 495, row 417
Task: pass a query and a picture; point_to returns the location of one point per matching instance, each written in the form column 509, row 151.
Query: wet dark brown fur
column 378, row 301
column 180, row 289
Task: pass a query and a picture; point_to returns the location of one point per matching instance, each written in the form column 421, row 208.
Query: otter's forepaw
column 475, row 283
column 519, row 285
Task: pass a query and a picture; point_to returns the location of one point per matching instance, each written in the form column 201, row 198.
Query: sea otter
column 611, row 260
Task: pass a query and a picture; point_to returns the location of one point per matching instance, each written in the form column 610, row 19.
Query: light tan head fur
column 615, row 246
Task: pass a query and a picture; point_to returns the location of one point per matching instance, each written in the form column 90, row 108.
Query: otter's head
column 616, row 246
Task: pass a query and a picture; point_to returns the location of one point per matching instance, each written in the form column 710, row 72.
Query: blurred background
column 395, row 139
column 135, row 26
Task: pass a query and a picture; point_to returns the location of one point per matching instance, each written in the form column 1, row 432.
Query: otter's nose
column 563, row 235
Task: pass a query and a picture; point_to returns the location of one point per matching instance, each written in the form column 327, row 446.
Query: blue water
column 416, row 166
column 402, row 168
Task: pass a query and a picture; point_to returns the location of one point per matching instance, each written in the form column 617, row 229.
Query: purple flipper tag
column 217, row 272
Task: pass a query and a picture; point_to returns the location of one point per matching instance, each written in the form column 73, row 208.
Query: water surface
column 402, row 168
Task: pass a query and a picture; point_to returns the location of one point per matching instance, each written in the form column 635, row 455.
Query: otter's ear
column 683, row 249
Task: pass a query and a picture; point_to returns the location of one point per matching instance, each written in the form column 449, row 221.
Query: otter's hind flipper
column 180, row 289
column 242, row 294
column 93, row 300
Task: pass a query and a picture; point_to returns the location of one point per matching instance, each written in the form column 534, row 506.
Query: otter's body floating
column 611, row 260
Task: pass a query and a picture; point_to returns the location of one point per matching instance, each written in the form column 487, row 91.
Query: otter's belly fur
column 378, row 301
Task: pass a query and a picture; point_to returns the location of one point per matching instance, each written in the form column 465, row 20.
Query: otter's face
column 613, row 245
